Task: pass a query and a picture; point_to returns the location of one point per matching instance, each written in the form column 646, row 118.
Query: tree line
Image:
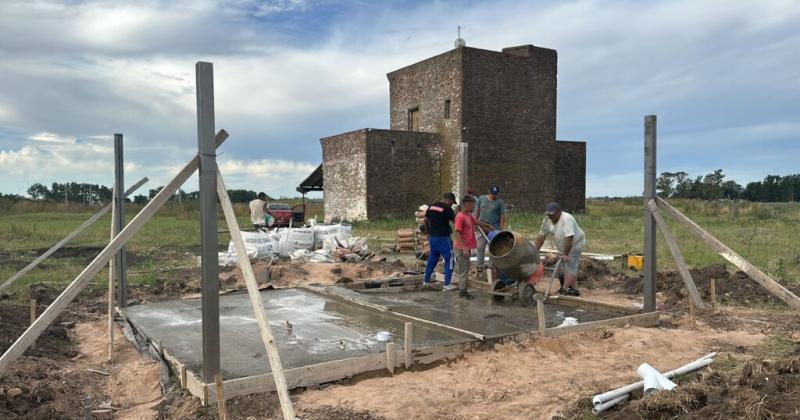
column 714, row 186
column 85, row 193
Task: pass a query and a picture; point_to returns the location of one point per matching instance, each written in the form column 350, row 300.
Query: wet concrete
column 483, row 315
column 326, row 328
column 323, row 329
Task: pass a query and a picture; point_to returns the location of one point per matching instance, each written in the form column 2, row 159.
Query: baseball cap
column 552, row 208
column 450, row 196
column 494, row 189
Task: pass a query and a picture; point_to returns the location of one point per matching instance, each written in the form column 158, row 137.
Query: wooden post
column 757, row 275
column 649, row 220
column 712, row 292
column 100, row 261
column 33, row 318
column 220, row 388
column 540, row 313
column 683, row 269
column 255, row 299
column 391, row 357
column 209, row 237
column 691, row 313
column 408, row 341
column 69, row 237
column 120, row 264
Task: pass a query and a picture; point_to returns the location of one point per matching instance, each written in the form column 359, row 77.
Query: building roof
column 313, row 182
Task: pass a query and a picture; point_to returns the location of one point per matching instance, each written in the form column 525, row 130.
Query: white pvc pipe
column 653, row 379
column 616, row 393
column 608, row 404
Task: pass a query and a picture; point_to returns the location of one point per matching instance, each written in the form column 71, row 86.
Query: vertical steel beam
column 208, row 219
column 120, row 264
column 649, row 220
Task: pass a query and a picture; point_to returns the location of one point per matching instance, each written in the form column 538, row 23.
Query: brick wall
column 509, row 119
column 427, row 85
column 402, row 171
column 571, row 175
column 344, row 165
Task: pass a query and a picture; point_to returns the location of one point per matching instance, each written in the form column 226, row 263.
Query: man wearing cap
column 437, row 221
column 492, row 210
column 569, row 240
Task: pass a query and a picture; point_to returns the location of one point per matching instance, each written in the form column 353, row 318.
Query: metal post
column 208, row 219
column 649, row 220
column 463, row 165
column 120, row 264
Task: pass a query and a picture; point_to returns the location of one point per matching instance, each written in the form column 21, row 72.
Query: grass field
column 765, row 234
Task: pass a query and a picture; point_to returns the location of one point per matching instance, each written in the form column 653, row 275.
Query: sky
column 722, row 76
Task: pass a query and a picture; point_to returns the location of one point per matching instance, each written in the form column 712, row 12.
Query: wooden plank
column 338, row 369
column 384, row 309
column 196, row 387
column 391, row 357
column 68, row 238
column 712, row 292
column 683, row 269
column 540, row 315
column 255, row 299
column 648, row 319
column 408, row 344
column 91, row 270
column 594, row 305
column 757, row 275
column 33, row 318
column 219, row 387
column 177, row 367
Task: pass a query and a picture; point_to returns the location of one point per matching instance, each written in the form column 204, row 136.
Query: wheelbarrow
column 506, row 287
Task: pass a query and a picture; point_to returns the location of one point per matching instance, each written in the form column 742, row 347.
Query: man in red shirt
column 465, row 242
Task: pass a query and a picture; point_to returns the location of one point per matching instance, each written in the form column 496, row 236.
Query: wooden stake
column 757, row 275
column 100, row 261
column 33, row 319
column 68, row 238
column 540, row 313
column 223, row 411
column 255, row 299
column 691, row 313
column 683, row 269
column 391, row 357
column 408, row 344
column 712, row 292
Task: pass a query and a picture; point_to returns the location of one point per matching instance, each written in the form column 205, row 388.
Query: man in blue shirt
column 491, row 210
column 437, row 220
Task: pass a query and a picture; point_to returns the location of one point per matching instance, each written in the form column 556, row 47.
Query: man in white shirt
column 569, row 240
column 258, row 212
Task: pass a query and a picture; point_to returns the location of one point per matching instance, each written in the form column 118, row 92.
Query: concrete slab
column 323, row 329
column 482, row 315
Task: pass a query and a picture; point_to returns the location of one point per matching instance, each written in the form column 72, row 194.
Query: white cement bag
column 265, row 244
column 291, row 240
column 341, row 231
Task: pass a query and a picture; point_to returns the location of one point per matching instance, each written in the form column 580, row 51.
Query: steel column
column 120, row 264
column 208, row 219
column 649, row 220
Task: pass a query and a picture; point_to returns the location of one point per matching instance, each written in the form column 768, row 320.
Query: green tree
column 38, row 191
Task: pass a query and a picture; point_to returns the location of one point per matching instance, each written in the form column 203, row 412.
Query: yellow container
column 636, row 262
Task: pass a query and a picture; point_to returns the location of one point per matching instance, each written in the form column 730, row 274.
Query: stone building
column 502, row 104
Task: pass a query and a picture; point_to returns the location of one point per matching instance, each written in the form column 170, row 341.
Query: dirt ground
column 755, row 374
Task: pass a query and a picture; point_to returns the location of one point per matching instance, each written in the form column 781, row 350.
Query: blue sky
column 722, row 76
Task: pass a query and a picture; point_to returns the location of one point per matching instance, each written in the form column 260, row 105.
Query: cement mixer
column 518, row 263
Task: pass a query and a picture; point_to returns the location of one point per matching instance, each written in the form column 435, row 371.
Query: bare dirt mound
column 756, row 390
column 737, row 288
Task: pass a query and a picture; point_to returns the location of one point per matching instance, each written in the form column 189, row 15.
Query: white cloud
column 615, row 185
column 44, row 136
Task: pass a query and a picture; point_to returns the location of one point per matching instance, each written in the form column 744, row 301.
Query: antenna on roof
column 460, row 41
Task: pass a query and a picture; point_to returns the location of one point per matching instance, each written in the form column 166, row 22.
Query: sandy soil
column 133, row 387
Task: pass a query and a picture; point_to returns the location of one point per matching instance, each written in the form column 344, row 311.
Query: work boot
column 573, row 291
column 449, row 287
column 563, row 291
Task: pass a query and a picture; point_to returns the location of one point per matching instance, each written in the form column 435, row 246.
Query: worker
column 259, row 214
column 491, row 210
column 465, row 226
column 437, row 221
column 569, row 240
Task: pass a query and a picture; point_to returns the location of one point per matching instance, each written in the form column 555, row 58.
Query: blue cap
column 494, row 189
